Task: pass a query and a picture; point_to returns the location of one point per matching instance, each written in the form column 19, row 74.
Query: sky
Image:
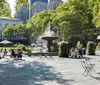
column 12, row 2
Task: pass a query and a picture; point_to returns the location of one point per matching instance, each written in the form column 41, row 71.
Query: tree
column 77, row 14
column 22, row 2
column 18, row 31
column 27, row 33
column 4, row 10
column 96, row 13
column 39, row 22
column 10, row 32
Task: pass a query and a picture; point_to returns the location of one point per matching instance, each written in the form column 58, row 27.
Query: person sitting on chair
column 80, row 53
column 19, row 54
column 4, row 54
column 72, row 52
column 13, row 54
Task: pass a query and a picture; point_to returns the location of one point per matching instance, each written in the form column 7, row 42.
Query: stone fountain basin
column 49, row 38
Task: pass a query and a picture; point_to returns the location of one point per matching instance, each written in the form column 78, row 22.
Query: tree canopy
column 73, row 17
column 96, row 13
column 4, row 10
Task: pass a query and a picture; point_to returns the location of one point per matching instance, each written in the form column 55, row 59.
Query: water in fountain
column 48, row 32
column 49, row 36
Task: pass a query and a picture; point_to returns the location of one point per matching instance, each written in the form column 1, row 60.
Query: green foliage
column 39, row 22
column 98, row 46
column 16, row 31
column 21, row 46
column 22, row 2
column 4, row 10
column 63, row 49
column 70, row 18
column 79, row 45
column 90, row 48
column 73, row 15
column 10, row 32
column 96, row 13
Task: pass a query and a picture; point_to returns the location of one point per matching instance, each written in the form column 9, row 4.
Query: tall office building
column 35, row 4
column 53, row 4
column 25, row 14
column 38, row 7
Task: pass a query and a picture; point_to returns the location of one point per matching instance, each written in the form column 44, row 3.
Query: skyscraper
column 26, row 13
column 31, row 2
column 38, row 7
column 23, row 14
column 53, row 4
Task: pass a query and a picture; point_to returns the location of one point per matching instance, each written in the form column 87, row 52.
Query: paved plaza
column 42, row 71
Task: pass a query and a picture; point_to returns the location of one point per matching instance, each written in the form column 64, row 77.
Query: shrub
column 90, row 48
column 21, row 46
column 63, row 49
column 98, row 46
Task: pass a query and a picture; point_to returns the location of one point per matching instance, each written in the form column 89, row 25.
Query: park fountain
column 49, row 36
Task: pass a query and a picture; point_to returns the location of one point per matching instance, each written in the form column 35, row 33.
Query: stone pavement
column 42, row 71
column 70, row 71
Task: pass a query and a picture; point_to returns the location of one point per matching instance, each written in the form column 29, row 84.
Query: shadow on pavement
column 29, row 73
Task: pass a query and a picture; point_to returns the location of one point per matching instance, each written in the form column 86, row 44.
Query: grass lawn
column 7, row 48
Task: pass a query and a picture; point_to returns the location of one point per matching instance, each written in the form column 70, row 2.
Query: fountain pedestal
column 49, row 45
column 49, row 42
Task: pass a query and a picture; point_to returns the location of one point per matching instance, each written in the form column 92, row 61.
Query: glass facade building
column 38, row 7
column 31, row 2
column 23, row 14
column 53, row 4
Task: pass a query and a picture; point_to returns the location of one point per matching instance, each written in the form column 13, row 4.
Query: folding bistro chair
column 88, row 62
column 87, row 68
